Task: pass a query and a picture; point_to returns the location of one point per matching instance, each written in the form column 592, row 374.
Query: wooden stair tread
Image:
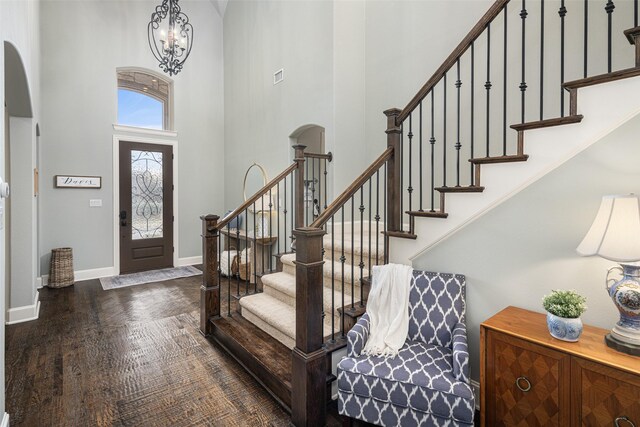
column 558, row 121
column 499, row 159
column 401, row 234
column 264, row 357
column 465, row 189
column 603, row 78
column 630, row 33
column 428, row 214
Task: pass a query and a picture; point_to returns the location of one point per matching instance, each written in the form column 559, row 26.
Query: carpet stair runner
column 273, row 310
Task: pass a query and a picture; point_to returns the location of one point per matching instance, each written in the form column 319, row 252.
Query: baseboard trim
column 81, row 275
column 193, row 260
column 5, row 420
column 23, row 314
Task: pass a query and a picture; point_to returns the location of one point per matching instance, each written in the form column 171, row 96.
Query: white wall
column 525, row 247
column 260, row 38
column 79, row 106
column 19, row 22
column 345, row 63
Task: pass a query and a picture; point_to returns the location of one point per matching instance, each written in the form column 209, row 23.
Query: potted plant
column 564, row 309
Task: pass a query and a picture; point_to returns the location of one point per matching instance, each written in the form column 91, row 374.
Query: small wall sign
column 71, row 181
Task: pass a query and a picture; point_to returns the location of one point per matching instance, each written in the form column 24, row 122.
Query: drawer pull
column 628, row 422
column 527, row 382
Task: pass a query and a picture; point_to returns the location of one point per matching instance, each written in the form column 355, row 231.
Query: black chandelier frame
column 170, row 52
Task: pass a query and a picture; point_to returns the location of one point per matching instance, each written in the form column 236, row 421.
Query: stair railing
column 502, row 79
column 264, row 223
column 347, row 237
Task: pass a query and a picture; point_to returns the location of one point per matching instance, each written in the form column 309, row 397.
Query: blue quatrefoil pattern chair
column 427, row 383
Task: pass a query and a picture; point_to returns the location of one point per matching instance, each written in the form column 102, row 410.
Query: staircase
column 273, row 310
column 454, row 152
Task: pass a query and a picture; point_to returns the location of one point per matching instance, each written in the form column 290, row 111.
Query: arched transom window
column 144, row 100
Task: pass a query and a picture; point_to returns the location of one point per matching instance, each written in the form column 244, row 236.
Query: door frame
column 116, row 193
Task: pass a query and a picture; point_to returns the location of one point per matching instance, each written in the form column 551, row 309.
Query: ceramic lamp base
column 620, row 346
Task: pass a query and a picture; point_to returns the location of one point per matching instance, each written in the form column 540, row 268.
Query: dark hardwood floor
column 127, row 357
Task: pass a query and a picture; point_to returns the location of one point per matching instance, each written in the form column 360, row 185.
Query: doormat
column 133, row 279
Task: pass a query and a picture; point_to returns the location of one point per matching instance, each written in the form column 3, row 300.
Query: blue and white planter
column 563, row 328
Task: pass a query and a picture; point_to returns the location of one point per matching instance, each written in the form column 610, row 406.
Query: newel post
column 394, row 171
column 309, row 360
column 299, row 191
column 210, row 289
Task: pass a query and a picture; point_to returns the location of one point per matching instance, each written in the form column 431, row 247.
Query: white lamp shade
column 615, row 232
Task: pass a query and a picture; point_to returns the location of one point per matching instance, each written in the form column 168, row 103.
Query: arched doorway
column 316, row 180
column 19, row 251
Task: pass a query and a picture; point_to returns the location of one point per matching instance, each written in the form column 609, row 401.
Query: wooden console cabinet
column 530, row 379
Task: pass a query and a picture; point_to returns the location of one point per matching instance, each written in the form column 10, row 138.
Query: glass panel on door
column 146, row 195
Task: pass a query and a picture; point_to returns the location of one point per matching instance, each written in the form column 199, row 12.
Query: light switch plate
column 95, row 203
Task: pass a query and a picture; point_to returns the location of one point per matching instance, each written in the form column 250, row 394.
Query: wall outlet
column 95, row 203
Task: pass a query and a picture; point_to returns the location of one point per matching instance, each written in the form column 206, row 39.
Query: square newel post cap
column 209, row 217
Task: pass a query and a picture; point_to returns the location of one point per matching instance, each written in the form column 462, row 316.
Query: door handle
column 123, row 218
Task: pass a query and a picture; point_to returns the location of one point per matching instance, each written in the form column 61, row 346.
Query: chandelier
column 170, row 36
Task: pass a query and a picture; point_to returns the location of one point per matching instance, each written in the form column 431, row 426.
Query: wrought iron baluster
column 541, row 59
column 284, row 212
column 635, row 13
column 432, row 142
column 342, row 261
column 361, row 265
column 319, row 185
column 254, row 265
column 401, row 174
column 444, row 135
column 221, row 246
column 255, row 282
column 325, row 184
column 472, row 133
column 228, row 248
column 270, row 228
column 377, row 217
column 306, row 188
column 353, row 279
column 609, row 7
column 384, row 209
column 420, row 158
column 293, row 214
column 562, row 12
column 410, row 135
column 586, row 36
column 246, row 252
column 523, row 82
column 333, row 276
column 370, row 212
column 313, row 190
column 504, row 88
column 458, row 143
column 246, row 288
column 278, row 215
column 487, row 84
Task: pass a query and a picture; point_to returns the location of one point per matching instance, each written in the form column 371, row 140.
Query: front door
column 146, row 206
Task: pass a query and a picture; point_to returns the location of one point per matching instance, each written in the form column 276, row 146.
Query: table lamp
column 615, row 235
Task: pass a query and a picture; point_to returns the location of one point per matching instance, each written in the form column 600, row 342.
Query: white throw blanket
column 388, row 309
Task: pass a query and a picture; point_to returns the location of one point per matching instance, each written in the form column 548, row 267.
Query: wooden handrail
column 353, row 188
column 328, row 156
column 223, row 222
column 475, row 32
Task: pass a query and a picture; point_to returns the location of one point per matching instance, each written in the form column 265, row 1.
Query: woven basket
column 245, row 270
column 61, row 268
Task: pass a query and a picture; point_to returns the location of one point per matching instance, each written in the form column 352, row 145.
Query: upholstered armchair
column 427, row 383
